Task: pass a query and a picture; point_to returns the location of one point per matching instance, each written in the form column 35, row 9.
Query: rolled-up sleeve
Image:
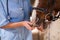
column 3, row 20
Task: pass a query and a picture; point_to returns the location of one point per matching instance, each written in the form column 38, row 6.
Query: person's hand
column 27, row 25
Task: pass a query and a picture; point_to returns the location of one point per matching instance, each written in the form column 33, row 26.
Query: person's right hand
column 27, row 24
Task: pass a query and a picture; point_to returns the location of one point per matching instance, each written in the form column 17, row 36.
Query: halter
column 44, row 9
column 40, row 9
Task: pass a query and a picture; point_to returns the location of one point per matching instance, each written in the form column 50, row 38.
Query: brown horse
column 47, row 10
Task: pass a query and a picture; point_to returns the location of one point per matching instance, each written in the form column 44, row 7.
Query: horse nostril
column 46, row 20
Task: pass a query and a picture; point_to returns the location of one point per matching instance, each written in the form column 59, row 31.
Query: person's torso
column 17, row 9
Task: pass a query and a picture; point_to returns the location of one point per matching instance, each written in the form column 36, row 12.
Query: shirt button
column 21, row 8
column 8, row 17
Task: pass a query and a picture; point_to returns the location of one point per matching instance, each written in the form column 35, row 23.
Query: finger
column 29, row 22
column 28, row 27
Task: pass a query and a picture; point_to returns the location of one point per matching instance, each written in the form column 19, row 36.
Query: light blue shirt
column 18, row 11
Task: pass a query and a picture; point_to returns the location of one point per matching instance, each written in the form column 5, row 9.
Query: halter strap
column 44, row 9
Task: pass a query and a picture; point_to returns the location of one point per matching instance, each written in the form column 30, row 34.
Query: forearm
column 12, row 25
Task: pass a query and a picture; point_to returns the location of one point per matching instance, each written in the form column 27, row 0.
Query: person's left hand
column 27, row 24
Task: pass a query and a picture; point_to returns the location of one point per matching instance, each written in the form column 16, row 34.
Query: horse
column 47, row 11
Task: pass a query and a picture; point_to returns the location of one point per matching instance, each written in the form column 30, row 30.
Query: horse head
column 46, row 11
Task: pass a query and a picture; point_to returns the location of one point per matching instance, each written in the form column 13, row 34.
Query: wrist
column 21, row 24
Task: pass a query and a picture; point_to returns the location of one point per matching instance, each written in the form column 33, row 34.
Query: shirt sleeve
column 3, row 20
column 3, row 15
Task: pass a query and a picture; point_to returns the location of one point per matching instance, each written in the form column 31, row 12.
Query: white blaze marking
column 33, row 17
